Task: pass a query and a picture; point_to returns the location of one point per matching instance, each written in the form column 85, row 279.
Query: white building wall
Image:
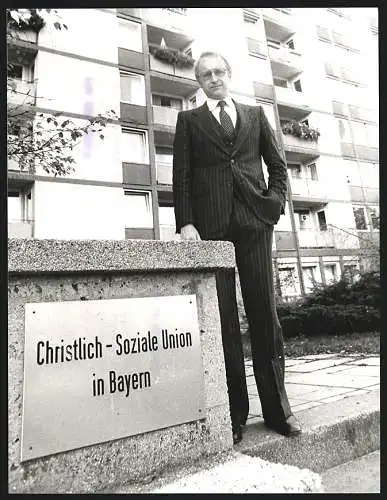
column 64, row 210
column 90, row 33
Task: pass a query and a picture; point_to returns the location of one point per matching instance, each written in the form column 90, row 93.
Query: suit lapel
column 246, row 119
column 202, row 118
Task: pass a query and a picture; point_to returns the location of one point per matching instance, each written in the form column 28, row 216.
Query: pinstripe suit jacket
column 206, row 169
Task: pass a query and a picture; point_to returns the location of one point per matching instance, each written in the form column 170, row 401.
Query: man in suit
column 220, row 194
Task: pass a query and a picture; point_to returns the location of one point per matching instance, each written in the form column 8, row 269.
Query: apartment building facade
column 314, row 71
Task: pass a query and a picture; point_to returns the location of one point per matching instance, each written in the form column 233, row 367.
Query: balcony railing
column 20, row 92
column 279, row 24
column 308, row 188
column 170, row 69
column 165, row 116
column 284, row 55
column 164, row 172
column 290, row 97
column 20, row 228
column 301, row 150
column 307, row 238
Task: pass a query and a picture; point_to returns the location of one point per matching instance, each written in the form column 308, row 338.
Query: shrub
column 342, row 307
column 172, row 56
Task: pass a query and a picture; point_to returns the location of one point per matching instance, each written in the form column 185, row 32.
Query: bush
column 339, row 308
column 343, row 307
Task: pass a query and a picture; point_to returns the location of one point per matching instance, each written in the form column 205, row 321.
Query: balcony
column 170, row 69
column 166, row 117
column 20, row 92
column 291, row 104
column 307, row 238
column 279, row 24
column 20, row 228
column 308, row 193
column 164, row 173
column 285, row 63
column 173, row 19
column 298, row 150
column 22, row 46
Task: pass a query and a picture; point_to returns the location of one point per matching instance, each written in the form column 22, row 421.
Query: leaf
column 65, row 26
column 57, row 25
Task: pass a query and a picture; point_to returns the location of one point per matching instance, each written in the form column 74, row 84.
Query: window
column 132, row 88
column 330, row 70
column 323, row 33
column 322, row 223
column 19, row 206
column 290, row 44
column 330, row 273
column 295, row 171
column 344, row 131
column 309, row 274
column 360, row 219
column 134, row 146
column 15, row 71
column 250, row 17
column 312, row 172
column 167, row 102
column 288, row 280
column 304, row 219
column 375, row 218
column 297, row 86
column 138, row 211
column 351, row 272
column 129, row 35
column 279, row 82
column 164, row 155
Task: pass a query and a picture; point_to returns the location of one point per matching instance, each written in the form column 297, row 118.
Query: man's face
column 214, row 77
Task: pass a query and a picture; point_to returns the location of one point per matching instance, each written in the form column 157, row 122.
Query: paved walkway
column 316, row 380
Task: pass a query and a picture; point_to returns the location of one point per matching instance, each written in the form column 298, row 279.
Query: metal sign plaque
column 100, row 370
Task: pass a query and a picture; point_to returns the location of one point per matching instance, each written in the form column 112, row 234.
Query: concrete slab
column 311, row 366
column 299, row 390
column 333, row 380
column 332, row 434
column 338, row 397
column 297, row 407
column 361, row 475
column 371, row 360
column 359, row 370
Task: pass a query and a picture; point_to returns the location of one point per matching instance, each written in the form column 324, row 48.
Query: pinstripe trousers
column 253, row 252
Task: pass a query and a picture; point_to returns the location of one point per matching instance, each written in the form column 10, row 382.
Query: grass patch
column 349, row 343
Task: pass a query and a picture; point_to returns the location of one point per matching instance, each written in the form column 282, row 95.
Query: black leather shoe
column 237, row 434
column 291, row 427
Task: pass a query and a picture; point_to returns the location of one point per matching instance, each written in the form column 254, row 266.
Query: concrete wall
column 59, row 271
column 68, row 211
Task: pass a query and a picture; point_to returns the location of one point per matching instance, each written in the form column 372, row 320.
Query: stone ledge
column 85, row 256
column 332, row 434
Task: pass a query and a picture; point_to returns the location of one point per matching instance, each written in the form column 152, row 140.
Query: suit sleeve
column 181, row 177
column 274, row 160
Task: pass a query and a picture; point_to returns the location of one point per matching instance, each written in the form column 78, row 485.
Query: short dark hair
column 207, row 54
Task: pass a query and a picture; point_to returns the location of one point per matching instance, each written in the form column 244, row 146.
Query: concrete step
column 333, row 434
column 361, row 475
column 263, row 462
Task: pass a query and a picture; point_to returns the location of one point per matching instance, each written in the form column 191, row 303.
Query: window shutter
column 323, row 33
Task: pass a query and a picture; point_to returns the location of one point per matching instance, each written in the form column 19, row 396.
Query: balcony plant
column 172, row 56
column 25, row 21
column 300, row 130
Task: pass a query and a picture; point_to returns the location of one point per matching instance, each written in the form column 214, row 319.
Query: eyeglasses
column 219, row 73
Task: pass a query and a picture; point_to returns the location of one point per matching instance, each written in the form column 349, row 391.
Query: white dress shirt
column 229, row 108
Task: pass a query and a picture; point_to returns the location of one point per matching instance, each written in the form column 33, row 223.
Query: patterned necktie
column 225, row 120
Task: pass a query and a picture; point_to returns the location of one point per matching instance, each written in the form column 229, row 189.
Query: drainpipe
column 290, row 198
